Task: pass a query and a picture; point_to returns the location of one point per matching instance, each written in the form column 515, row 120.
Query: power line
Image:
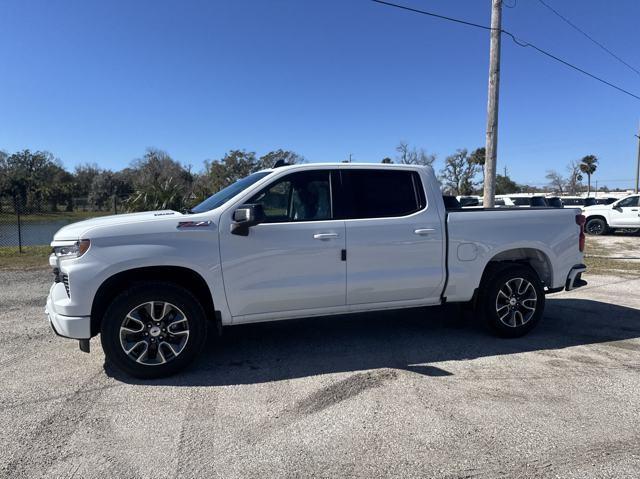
column 518, row 42
column 431, row 14
column 575, row 27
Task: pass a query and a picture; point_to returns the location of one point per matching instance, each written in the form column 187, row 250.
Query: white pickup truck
column 622, row 214
column 302, row 241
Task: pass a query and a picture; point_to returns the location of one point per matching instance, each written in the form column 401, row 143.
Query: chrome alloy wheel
column 516, row 302
column 154, row 333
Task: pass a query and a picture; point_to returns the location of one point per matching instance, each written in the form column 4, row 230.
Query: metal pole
column 492, row 106
column 638, row 161
column 17, row 206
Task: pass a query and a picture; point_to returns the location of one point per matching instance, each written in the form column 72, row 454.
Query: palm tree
column 588, row 166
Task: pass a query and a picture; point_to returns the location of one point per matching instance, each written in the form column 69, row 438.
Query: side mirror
column 245, row 217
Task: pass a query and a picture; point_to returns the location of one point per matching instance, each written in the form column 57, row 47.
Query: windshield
column 225, row 194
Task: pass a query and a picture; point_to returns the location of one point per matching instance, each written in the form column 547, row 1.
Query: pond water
column 33, row 232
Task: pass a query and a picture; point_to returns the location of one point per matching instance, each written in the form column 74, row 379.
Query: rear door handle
column 424, row 231
column 325, row 236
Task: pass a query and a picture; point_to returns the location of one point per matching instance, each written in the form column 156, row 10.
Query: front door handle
column 424, row 231
column 325, row 236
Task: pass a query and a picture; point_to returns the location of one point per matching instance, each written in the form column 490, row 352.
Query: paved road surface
column 406, row 394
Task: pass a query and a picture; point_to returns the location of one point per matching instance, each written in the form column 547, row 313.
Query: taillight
column 580, row 221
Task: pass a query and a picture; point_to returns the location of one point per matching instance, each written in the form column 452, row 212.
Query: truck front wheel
column 596, row 226
column 512, row 301
column 153, row 330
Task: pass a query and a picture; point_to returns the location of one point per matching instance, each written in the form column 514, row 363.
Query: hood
column 596, row 207
column 74, row 231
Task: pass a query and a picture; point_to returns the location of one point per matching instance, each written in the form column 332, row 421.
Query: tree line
column 571, row 184
column 38, row 181
column 463, row 173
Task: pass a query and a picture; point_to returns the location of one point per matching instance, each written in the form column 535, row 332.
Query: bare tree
column 413, row 156
column 459, row 173
column 556, row 181
column 573, row 184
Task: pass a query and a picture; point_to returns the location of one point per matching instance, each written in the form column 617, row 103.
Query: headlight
column 72, row 250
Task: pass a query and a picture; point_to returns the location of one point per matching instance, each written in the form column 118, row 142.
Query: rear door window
column 381, row 193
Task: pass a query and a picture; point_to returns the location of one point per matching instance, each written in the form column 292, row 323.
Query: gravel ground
column 404, row 394
column 621, row 246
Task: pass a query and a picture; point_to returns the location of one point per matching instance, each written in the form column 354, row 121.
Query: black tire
column 167, row 313
column 515, row 315
column 596, row 227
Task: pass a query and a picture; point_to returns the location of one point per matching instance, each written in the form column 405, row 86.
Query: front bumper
column 74, row 327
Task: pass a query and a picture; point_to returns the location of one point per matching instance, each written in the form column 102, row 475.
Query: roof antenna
column 280, row 163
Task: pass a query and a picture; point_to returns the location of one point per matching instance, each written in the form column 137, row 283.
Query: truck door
column 626, row 213
column 394, row 237
column 293, row 260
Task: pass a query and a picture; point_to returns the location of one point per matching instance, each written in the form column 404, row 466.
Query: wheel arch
column 536, row 259
column 597, row 216
column 184, row 277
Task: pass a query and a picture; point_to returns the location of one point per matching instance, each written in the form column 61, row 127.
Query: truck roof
column 341, row 165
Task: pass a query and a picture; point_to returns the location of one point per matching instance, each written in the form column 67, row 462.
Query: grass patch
column 32, row 257
column 612, row 266
column 599, row 261
column 53, row 216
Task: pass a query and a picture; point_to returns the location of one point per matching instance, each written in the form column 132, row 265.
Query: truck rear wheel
column 153, row 330
column 512, row 301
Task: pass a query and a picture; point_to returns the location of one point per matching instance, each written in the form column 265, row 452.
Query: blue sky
column 100, row 81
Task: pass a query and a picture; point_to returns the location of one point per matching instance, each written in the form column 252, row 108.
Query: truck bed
column 476, row 236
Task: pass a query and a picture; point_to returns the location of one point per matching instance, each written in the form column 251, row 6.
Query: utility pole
column 638, row 161
column 492, row 106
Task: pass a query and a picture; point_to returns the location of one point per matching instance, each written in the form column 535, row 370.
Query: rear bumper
column 574, row 278
column 74, row 327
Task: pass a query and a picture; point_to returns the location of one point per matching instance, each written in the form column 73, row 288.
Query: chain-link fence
column 34, row 222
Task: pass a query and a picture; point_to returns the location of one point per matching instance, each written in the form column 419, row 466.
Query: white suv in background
column 623, row 214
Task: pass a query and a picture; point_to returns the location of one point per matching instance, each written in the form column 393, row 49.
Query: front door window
column 304, row 196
